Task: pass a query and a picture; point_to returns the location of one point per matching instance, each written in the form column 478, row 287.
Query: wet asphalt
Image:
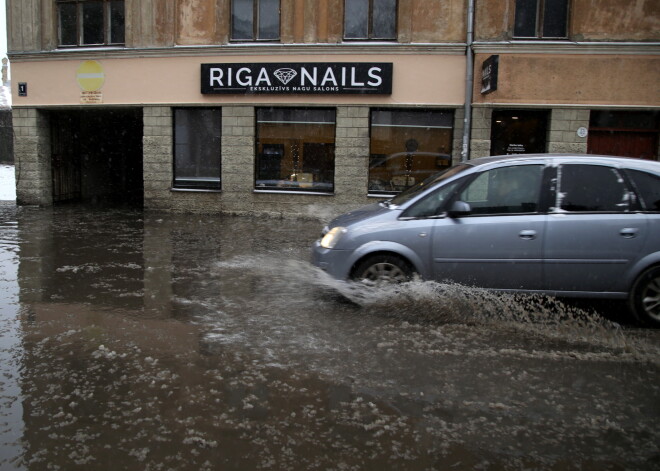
column 146, row 341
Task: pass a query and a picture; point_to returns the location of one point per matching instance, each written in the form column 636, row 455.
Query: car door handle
column 527, row 235
column 629, row 232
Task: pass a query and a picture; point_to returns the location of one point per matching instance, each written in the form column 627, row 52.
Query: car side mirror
column 458, row 209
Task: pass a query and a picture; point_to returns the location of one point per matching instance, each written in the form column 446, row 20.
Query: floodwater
column 142, row 341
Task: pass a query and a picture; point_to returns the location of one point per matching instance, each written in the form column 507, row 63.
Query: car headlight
column 332, row 237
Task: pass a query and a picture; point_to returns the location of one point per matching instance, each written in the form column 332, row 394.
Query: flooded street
column 146, row 341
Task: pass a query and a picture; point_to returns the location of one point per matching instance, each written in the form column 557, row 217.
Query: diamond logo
column 285, row 75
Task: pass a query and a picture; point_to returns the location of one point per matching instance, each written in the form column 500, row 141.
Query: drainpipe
column 469, row 79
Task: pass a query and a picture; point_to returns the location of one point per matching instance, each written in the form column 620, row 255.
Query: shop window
column 90, row 23
column 518, row 132
column 370, row 19
column 537, row 19
column 406, row 147
column 197, row 134
column 295, row 149
column 255, row 20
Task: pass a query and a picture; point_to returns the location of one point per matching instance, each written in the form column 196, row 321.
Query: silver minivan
column 567, row 225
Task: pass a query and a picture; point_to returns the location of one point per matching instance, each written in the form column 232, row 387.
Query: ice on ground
column 7, row 183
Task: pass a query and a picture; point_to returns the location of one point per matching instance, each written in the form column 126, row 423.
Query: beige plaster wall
column 616, row 80
column 589, row 20
column 417, row 79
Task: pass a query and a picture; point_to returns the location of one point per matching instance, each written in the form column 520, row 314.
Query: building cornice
column 229, row 50
column 586, row 106
column 566, row 47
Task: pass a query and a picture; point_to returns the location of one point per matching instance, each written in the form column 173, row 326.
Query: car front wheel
column 383, row 269
column 645, row 297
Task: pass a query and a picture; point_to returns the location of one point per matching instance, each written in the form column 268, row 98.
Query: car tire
column 383, row 268
column 645, row 297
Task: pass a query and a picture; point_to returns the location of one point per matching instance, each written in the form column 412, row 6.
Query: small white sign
column 582, row 132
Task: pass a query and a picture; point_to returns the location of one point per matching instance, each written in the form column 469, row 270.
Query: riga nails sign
column 298, row 78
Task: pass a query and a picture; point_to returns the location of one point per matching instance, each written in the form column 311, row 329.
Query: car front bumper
column 337, row 263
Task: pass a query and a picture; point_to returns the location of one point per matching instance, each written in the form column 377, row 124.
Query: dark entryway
column 624, row 133
column 518, row 132
column 97, row 156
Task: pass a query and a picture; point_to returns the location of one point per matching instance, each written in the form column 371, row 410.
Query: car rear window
column 647, row 186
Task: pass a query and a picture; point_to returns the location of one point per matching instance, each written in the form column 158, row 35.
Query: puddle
column 155, row 341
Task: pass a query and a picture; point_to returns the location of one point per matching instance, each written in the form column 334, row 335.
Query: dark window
column 197, row 134
column 295, row 149
column 518, row 132
column 407, row 147
column 90, row 23
column 255, row 20
column 505, row 190
column 541, row 19
column 647, row 186
column 370, row 19
column 591, row 188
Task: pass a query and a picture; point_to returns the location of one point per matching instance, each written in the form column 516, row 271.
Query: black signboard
column 489, row 70
column 333, row 78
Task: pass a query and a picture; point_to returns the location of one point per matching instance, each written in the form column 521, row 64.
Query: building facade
column 310, row 108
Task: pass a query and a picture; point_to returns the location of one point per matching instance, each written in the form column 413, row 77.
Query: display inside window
column 295, row 149
column 255, row 20
column 91, row 22
column 408, row 146
column 370, row 19
column 197, row 137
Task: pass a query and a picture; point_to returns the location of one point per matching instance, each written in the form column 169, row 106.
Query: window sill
column 195, row 190
column 294, row 192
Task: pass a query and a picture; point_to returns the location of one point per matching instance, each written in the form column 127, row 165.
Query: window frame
column 561, row 193
column 370, row 24
column 539, row 25
column 541, row 184
column 444, row 160
column 199, row 187
column 639, row 180
column 300, row 188
column 80, row 27
column 255, row 24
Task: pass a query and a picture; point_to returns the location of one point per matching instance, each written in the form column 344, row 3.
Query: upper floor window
column 370, row 19
column 255, row 20
column 541, row 19
column 90, row 22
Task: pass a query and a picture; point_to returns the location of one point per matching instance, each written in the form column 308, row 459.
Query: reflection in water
column 11, row 411
column 159, row 341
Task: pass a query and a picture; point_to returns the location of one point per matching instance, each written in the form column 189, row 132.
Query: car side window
column 648, row 188
column 432, row 204
column 505, row 190
column 591, row 188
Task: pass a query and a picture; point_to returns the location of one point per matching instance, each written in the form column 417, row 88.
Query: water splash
column 532, row 316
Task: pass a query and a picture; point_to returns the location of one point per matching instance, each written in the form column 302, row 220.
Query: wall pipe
column 469, row 82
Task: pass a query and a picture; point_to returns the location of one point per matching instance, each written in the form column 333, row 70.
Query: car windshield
column 415, row 190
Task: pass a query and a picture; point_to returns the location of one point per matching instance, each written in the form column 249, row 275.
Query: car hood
column 360, row 214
